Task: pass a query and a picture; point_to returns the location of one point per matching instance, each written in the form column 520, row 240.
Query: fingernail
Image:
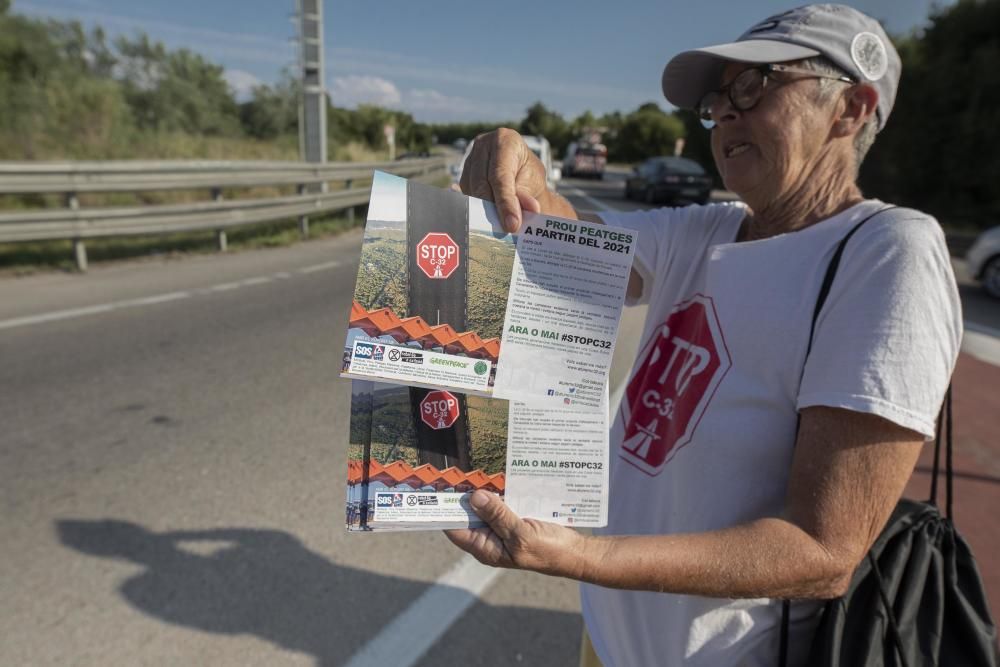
column 512, row 222
column 479, row 500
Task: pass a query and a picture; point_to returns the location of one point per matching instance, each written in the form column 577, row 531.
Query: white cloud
column 241, row 81
column 424, row 104
column 350, row 91
column 432, row 100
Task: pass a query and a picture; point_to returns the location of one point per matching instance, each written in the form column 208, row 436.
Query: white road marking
column 56, row 315
column 982, row 342
column 71, row 313
column 404, row 641
column 982, row 328
column 259, row 280
column 601, row 206
column 320, row 267
column 152, row 300
column 224, row 287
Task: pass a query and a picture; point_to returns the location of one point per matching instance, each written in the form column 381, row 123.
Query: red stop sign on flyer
column 437, row 255
column 439, row 409
column 679, row 369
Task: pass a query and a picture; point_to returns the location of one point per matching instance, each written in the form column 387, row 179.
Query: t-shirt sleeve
column 660, row 232
column 888, row 336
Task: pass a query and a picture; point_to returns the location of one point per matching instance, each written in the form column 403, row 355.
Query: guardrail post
column 350, row 211
column 303, row 219
column 220, row 234
column 79, row 248
column 80, row 252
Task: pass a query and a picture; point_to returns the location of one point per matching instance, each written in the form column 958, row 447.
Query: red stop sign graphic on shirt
column 439, row 409
column 678, row 371
column 437, row 255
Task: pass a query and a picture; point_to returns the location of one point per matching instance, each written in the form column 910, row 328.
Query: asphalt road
column 172, row 478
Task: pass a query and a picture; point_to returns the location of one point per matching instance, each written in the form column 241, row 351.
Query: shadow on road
column 266, row 583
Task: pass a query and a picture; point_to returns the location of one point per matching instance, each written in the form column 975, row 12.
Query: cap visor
column 691, row 74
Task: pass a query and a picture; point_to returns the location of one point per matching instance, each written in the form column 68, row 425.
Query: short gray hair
column 864, row 139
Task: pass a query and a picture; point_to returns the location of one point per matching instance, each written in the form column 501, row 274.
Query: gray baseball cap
column 853, row 41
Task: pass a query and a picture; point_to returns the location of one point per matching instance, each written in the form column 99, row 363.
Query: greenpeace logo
column 449, row 362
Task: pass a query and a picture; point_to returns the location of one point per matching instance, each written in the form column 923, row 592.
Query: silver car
column 983, row 261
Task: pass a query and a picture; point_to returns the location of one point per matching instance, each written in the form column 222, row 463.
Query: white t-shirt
column 705, row 434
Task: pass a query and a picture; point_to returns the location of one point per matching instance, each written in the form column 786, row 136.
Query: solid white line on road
column 404, row 641
column 320, row 267
column 282, row 275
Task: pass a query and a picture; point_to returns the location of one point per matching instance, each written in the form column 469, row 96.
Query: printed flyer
column 445, row 299
column 415, row 456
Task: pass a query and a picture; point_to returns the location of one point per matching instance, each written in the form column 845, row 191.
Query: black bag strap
column 943, row 421
column 831, row 273
column 824, row 292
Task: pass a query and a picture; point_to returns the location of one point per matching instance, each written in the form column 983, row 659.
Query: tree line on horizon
column 68, row 93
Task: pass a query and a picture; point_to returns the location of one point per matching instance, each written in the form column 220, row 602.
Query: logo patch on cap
column 869, row 54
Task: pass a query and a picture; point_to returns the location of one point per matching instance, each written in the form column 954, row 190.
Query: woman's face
column 766, row 152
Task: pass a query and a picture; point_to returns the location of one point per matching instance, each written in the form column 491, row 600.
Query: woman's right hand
column 502, row 169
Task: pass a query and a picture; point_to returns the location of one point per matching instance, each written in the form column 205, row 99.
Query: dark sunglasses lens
column 746, row 89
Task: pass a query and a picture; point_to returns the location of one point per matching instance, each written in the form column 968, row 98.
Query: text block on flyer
column 557, row 465
column 566, row 295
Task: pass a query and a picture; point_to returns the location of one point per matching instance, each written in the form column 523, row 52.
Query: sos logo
column 368, row 351
column 389, row 500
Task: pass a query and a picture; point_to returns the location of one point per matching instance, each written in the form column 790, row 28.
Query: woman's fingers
column 496, row 514
column 501, row 169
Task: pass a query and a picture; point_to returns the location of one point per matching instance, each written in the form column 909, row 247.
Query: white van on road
column 539, row 145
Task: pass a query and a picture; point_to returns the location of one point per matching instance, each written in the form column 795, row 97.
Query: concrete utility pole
column 312, row 107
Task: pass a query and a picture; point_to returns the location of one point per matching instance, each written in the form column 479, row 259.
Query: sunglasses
column 744, row 92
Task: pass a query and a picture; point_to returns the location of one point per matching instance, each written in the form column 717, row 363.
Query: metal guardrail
column 77, row 224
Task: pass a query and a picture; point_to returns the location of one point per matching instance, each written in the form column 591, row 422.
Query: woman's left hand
column 526, row 544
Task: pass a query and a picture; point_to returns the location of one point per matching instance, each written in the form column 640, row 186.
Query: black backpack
column 917, row 598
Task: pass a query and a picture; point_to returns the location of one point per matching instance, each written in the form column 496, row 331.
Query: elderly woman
column 749, row 467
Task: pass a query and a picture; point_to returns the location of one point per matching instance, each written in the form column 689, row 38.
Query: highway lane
column 171, row 474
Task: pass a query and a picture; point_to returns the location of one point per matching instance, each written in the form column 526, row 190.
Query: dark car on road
column 669, row 179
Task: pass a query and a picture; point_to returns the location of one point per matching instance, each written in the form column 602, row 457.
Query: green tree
column 56, row 92
column 176, row 90
column 539, row 120
column 938, row 151
column 272, row 111
column 646, row 132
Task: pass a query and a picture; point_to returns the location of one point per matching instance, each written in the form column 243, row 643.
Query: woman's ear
column 859, row 104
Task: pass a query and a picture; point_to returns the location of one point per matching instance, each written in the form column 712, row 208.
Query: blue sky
column 443, row 60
